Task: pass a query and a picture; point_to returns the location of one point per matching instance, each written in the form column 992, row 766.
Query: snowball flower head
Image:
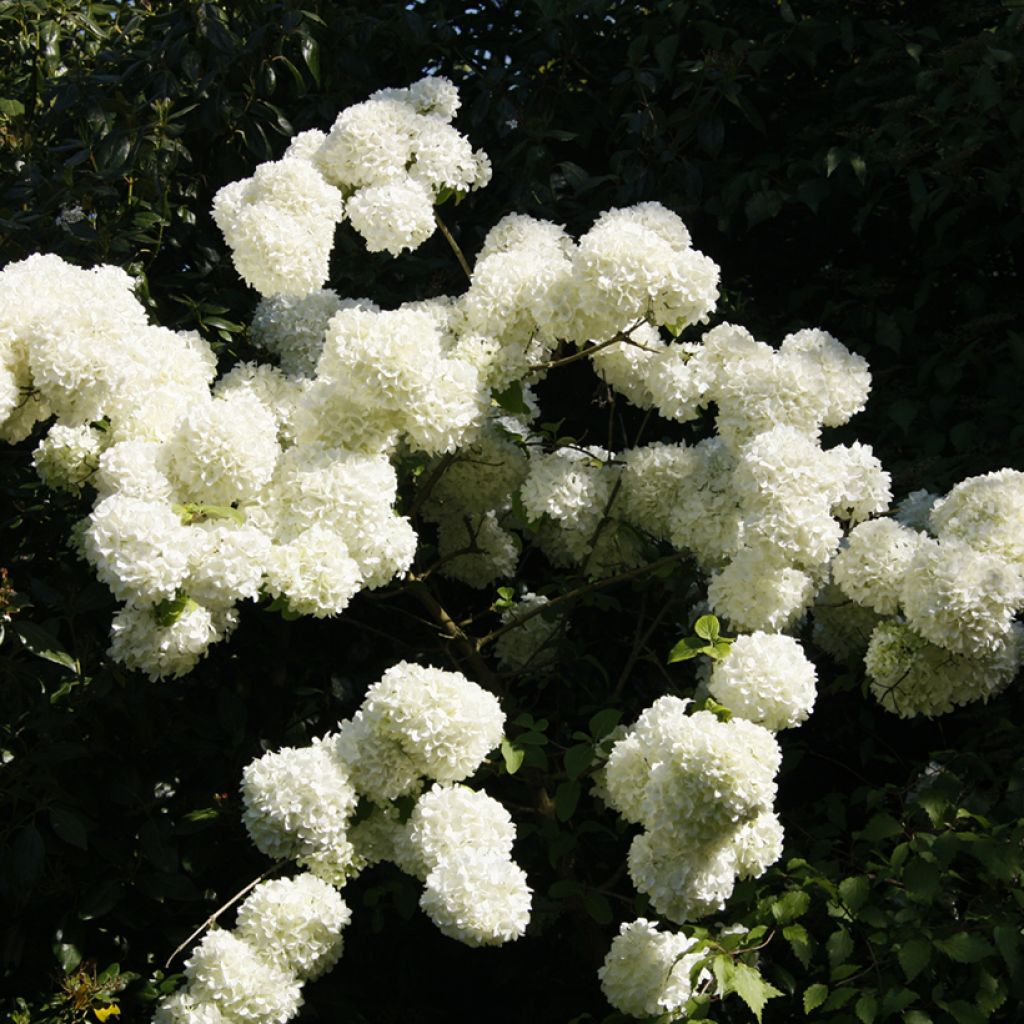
column 646, row 972
column 227, row 971
column 766, row 678
column 295, row 923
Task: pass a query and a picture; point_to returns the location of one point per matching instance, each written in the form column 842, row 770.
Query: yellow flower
column 103, row 1012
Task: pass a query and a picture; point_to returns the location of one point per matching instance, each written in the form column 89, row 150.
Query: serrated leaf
column 965, row 1013
column 913, row 956
column 800, row 942
column 1007, row 939
column 792, row 905
column 814, row 996
column 721, row 968
column 916, row 1017
column 854, row 892
column 748, row 984
column 965, row 948
column 839, row 947
column 512, row 756
column 866, row 1008
column 881, row 826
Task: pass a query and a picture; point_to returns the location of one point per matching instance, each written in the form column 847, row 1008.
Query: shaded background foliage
column 850, row 165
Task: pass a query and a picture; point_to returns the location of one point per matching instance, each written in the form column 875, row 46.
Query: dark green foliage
column 852, row 166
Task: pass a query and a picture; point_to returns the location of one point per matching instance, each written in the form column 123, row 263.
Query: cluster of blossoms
column 288, row 931
column 382, row 166
column 943, row 588
column 647, row 972
column 303, row 804
column 278, row 480
column 703, row 790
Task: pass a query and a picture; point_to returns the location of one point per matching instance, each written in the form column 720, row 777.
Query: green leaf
column 68, row 826
column 881, row 826
column 721, row 967
column 707, row 627
column 854, row 892
column 168, row 612
column 833, row 159
column 687, row 648
column 567, row 796
column 965, row 948
column 578, row 759
column 839, row 946
column 913, row 956
column 748, row 984
column 513, row 756
column 916, row 1017
column 866, row 1008
column 68, row 956
column 814, row 996
column 922, row 880
column 12, row 108
column 511, row 399
column 604, row 722
column 43, row 644
column 792, row 905
column 800, row 942
column 311, row 55
column 1007, row 939
column 598, row 907
column 965, row 1013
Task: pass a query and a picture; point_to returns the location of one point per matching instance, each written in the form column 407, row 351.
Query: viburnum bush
column 422, row 450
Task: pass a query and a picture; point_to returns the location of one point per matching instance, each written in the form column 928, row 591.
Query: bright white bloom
column 766, row 678
column 298, row 800
column 960, row 598
column 280, row 393
column 377, row 761
column 653, row 484
column 758, row 591
column 68, row 456
column 477, row 898
column 393, row 215
column 569, row 485
column 445, row 723
column 844, row 376
column 280, row 226
column 292, row 327
column 314, row 571
column 226, row 562
column 626, row 365
column 517, row 231
column 678, row 382
column 986, row 512
column 448, row 819
column 370, row 142
column 134, row 469
column 910, row 676
column 138, row 548
column 226, row 970
column 224, row 450
column 864, row 488
column 758, row 845
column 167, row 644
column 181, row 1007
column 685, row 882
column 295, row 923
column 624, row 271
column 871, row 567
column 647, row 972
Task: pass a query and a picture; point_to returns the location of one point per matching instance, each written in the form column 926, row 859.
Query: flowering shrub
column 380, row 450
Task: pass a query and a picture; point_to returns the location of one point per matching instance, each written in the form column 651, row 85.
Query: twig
column 455, row 245
column 571, row 595
column 220, row 910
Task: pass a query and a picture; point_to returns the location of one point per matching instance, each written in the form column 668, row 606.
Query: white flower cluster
column 459, row 843
column 394, row 156
column 766, row 678
column 288, row 931
column 948, row 599
column 646, row 972
column 416, row 723
column 703, row 791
